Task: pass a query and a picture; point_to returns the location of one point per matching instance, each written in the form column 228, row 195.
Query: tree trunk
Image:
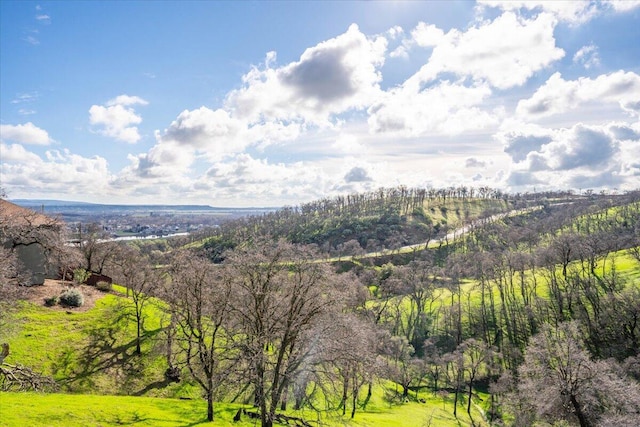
column 455, row 398
column 138, row 333
column 209, row 406
column 355, row 402
column 582, row 419
column 368, row 397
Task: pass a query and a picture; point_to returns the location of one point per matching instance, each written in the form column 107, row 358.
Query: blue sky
column 279, row 103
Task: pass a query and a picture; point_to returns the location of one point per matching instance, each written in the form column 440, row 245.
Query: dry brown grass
column 50, row 288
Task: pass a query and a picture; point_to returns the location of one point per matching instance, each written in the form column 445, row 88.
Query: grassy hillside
column 65, row 410
column 497, row 284
column 90, row 352
column 91, row 349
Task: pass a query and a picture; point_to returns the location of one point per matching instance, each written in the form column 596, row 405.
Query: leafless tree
column 96, row 251
column 133, row 271
column 200, row 302
column 350, row 355
column 279, row 296
column 575, row 387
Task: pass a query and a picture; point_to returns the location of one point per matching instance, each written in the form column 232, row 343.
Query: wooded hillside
column 510, row 309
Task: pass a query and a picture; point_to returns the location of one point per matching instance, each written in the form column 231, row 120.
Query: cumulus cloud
column 214, row 131
column 446, row 108
column 236, row 176
column 206, row 134
column 16, row 153
column 59, row 173
column 622, row 5
column 330, row 78
column 492, row 53
column 427, row 35
column 27, row 133
column 357, row 174
column 580, row 157
column 117, row 118
column 558, row 95
column 520, row 139
column 423, row 35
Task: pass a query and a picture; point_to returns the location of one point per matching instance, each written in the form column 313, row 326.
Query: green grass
column 91, row 354
column 52, row 410
column 93, row 351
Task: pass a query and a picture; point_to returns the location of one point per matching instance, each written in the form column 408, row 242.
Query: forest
column 508, row 309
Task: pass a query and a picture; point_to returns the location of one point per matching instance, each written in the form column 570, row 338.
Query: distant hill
column 58, row 206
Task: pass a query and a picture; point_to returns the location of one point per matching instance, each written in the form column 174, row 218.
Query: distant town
column 137, row 221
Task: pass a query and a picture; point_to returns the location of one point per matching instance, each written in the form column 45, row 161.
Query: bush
column 51, row 301
column 104, row 286
column 72, row 298
column 80, row 275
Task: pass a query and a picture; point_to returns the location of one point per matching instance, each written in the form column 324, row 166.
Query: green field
column 34, row 409
column 90, row 353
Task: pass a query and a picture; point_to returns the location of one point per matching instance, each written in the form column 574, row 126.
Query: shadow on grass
column 110, row 349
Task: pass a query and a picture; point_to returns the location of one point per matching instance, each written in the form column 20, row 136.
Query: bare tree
column 133, row 271
column 279, row 296
column 476, row 356
column 350, row 352
column 199, row 302
column 576, row 388
column 96, row 251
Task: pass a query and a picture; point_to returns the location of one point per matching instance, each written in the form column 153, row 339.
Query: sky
column 269, row 103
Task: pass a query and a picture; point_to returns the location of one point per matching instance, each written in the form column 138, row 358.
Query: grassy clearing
column 33, row 409
column 93, row 351
column 53, row 410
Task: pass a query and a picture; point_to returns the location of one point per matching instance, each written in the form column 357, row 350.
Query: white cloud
column 504, row 52
column 117, row 118
column 349, row 144
column 578, row 157
column 16, row 153
column 126, row 100
column 60, row 174
column 31, row 40
column 622, row 5
column 558, row 95
column 269, row 184
column 427, row 35
column 25, row 97
column 571, row 11
column 213, row 131
column 27, row 133
column 587, row 56
column 423, row 35
column 446, row 108
column 330, row 78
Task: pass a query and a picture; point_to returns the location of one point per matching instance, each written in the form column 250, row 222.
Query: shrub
column 80, row 275
column 51, row 301
column 72, row 298
column 104, row 286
